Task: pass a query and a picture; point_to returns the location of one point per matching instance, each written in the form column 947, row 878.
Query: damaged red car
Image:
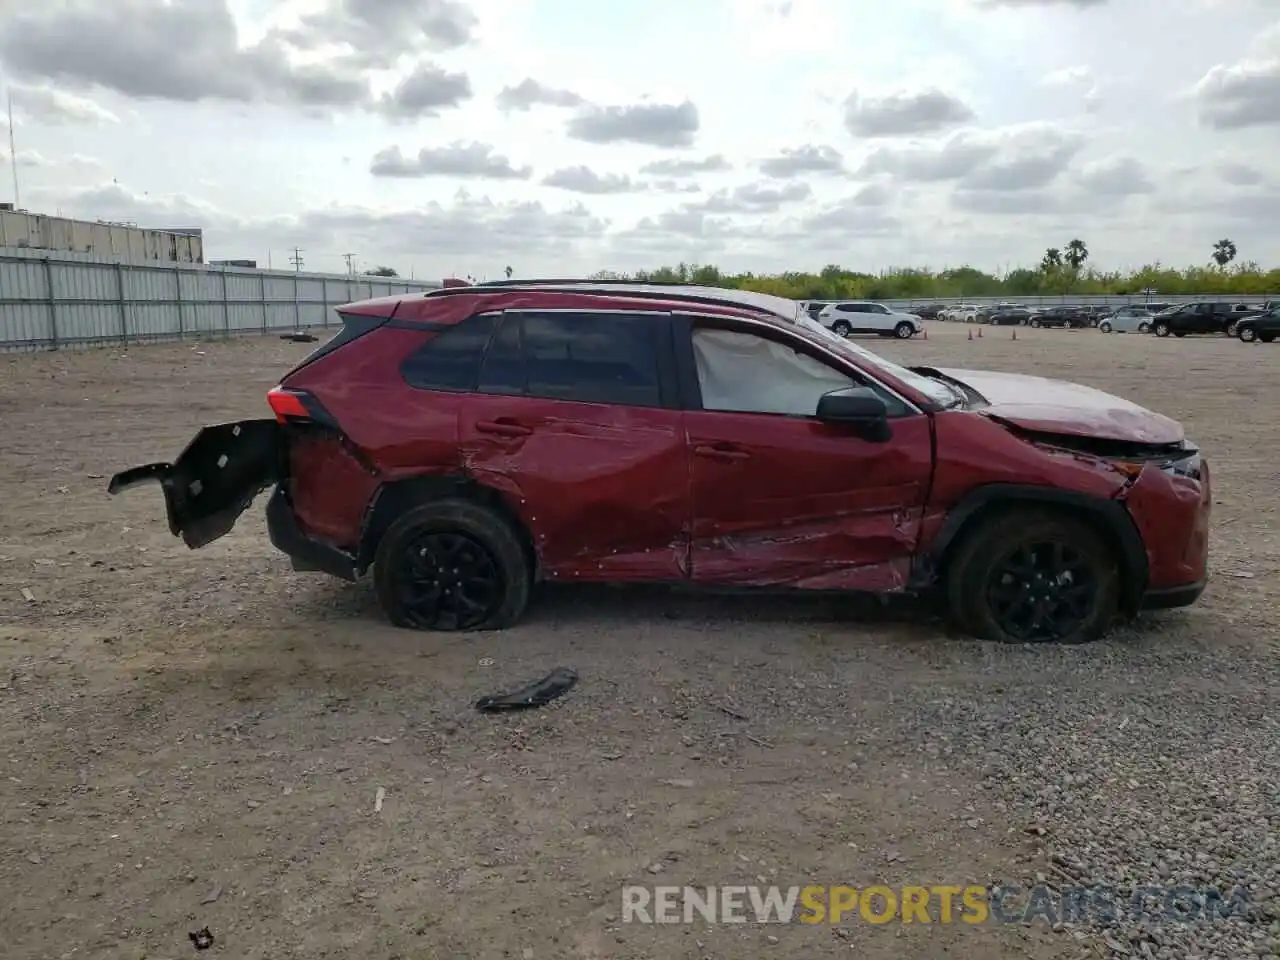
column 467, row 443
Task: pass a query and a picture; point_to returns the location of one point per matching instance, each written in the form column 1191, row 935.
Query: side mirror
column 859, row 407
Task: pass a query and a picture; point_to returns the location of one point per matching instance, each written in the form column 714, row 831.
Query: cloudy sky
column 562, row 137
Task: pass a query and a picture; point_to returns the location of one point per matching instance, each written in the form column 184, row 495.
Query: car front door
column 779, row 497
column 576, row 421
column 878, row 318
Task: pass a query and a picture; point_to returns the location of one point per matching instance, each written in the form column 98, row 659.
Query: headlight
column 1188, row 467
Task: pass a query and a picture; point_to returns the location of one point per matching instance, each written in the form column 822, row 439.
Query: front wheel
column 452, row 565
column 1030, row 576
column 1104, row 327
column 1247, row 334
column 1162, row 329
column 842, row 328
column 1035, row 323
column 904, row 331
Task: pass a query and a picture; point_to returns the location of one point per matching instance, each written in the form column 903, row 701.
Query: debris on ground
column 202, row 938
column 27, row 595
column 299, row 337
column 378, row 797
column 213, row 896
column 537, row 694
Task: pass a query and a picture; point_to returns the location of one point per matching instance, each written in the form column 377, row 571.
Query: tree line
column 1062, row 271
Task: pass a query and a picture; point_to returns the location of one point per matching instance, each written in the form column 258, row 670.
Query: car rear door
column 576, row 420
column 779, row 497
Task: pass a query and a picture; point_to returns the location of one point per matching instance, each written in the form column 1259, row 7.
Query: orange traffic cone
column 970, row 334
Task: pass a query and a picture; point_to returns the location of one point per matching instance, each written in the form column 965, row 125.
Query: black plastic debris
column 299, row 337
column 537, row 694
column 202, row 938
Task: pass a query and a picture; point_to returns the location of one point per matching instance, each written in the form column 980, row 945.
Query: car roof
column 780, row 307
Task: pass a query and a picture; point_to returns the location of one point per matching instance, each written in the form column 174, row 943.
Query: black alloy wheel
column 452, row 564
column 447, row 581
column 1042, row 591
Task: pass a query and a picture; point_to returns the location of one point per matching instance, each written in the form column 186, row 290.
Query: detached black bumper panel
column 1168, row 598
column 214, row 480
column 307, row 553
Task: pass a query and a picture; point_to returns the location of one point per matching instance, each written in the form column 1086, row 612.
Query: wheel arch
column 393, row 498
column 1109, row 518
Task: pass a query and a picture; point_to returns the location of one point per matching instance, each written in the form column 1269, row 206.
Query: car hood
column 1058, row 406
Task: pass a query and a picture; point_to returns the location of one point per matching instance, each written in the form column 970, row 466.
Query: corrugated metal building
column 103, row 241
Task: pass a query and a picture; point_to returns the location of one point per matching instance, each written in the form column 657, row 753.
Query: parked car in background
column 929, row 311
column 1093, row 314
column 1131, row 319
column 467, row 444
column 1010, row 315
column 864, row 316
column 1263, row 326
column 813, row 307
column 957, row 312
column 1058, row 316
column 1203, row 316
column 1238, row 312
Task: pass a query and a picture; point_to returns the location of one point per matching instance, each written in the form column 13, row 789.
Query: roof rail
column 783, row 307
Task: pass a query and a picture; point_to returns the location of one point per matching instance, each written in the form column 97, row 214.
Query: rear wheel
column 904, row 331
column 1144, row 327
column 452, row 565
column 1030, row 576
column 1104, row 326
column 842, row 328
column 1162, row 329
column 1035, row 323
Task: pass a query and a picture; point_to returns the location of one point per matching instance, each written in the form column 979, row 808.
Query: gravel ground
column 197, row 738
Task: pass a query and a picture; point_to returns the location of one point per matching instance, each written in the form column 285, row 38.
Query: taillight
column 298, row 406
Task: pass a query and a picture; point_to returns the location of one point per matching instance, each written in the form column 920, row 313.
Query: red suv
column 469, row 442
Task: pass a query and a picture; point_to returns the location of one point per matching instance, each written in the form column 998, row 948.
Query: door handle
column 502, row 428
column 720, row 453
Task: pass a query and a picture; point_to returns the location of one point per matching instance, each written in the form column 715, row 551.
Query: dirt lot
column 196, row 738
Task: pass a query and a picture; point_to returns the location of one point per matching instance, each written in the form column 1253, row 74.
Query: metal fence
column 51, row 301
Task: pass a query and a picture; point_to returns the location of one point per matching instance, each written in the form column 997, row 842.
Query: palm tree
column 1224, row 251
column 1077, row 254
column 1052, row 258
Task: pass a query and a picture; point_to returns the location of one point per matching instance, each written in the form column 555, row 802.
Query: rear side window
column 592, row 358
column 504, row 372
column 451, row 359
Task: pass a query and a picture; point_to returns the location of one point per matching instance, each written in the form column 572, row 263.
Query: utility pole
column 350, row 257
column 296, row 259
column 13, row 156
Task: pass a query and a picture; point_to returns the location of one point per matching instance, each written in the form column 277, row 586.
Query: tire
column 904, row 331
column 1104, row 327
column 973, row 579
column 841, row 328
column 1035, row 323
column 1144, row 327
column 1162, row 329
column 1246, row 334
column 472, row 531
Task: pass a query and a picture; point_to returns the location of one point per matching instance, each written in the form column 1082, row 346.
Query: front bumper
column 306, row 553
column 1167, row 598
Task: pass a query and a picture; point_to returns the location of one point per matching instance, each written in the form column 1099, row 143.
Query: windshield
column 933, row 389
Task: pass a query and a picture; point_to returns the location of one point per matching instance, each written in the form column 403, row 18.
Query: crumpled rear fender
column 215, row 479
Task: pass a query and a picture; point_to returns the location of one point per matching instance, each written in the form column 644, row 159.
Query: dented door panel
column 806, row 504
column 611, row 483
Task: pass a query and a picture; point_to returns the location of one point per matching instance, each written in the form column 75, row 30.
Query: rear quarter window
column 451, row 359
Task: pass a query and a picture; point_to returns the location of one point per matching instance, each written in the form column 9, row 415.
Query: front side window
column 593, row 358
column 744, row 373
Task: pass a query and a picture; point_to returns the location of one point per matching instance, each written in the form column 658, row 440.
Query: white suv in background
column 863, row 316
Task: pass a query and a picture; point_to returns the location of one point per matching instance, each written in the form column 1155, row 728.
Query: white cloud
column 759, row 134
